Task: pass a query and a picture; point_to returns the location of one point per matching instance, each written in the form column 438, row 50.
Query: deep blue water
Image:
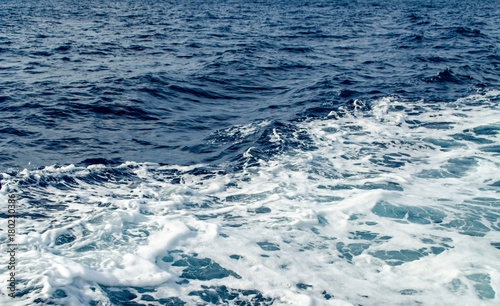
column 171, row 152
column 156, row 80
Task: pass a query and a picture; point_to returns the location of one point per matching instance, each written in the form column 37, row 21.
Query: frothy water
column 388, row 203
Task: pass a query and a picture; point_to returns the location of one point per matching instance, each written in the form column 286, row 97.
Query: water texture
column 251, row 153
column 155, row 80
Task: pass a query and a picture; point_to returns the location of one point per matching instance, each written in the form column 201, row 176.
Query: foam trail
column 395, row 205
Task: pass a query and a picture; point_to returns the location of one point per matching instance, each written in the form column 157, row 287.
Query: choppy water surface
column 252, row 153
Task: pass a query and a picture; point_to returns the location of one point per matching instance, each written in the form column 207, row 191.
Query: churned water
column 251, row 152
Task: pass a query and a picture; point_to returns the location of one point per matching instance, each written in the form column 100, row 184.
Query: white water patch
column 396, row 206
column 237, row 133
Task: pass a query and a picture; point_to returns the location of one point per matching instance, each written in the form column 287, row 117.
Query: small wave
column 113, row 110
column 448, row 76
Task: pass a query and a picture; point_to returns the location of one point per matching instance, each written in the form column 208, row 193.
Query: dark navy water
column 156, row 80
column 251, row 152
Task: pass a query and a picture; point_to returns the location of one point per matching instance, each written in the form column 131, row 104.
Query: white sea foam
column 396, row 206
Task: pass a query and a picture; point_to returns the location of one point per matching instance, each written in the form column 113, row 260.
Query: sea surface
column 251, row 152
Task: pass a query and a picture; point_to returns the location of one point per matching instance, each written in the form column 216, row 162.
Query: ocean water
column 251, row 152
